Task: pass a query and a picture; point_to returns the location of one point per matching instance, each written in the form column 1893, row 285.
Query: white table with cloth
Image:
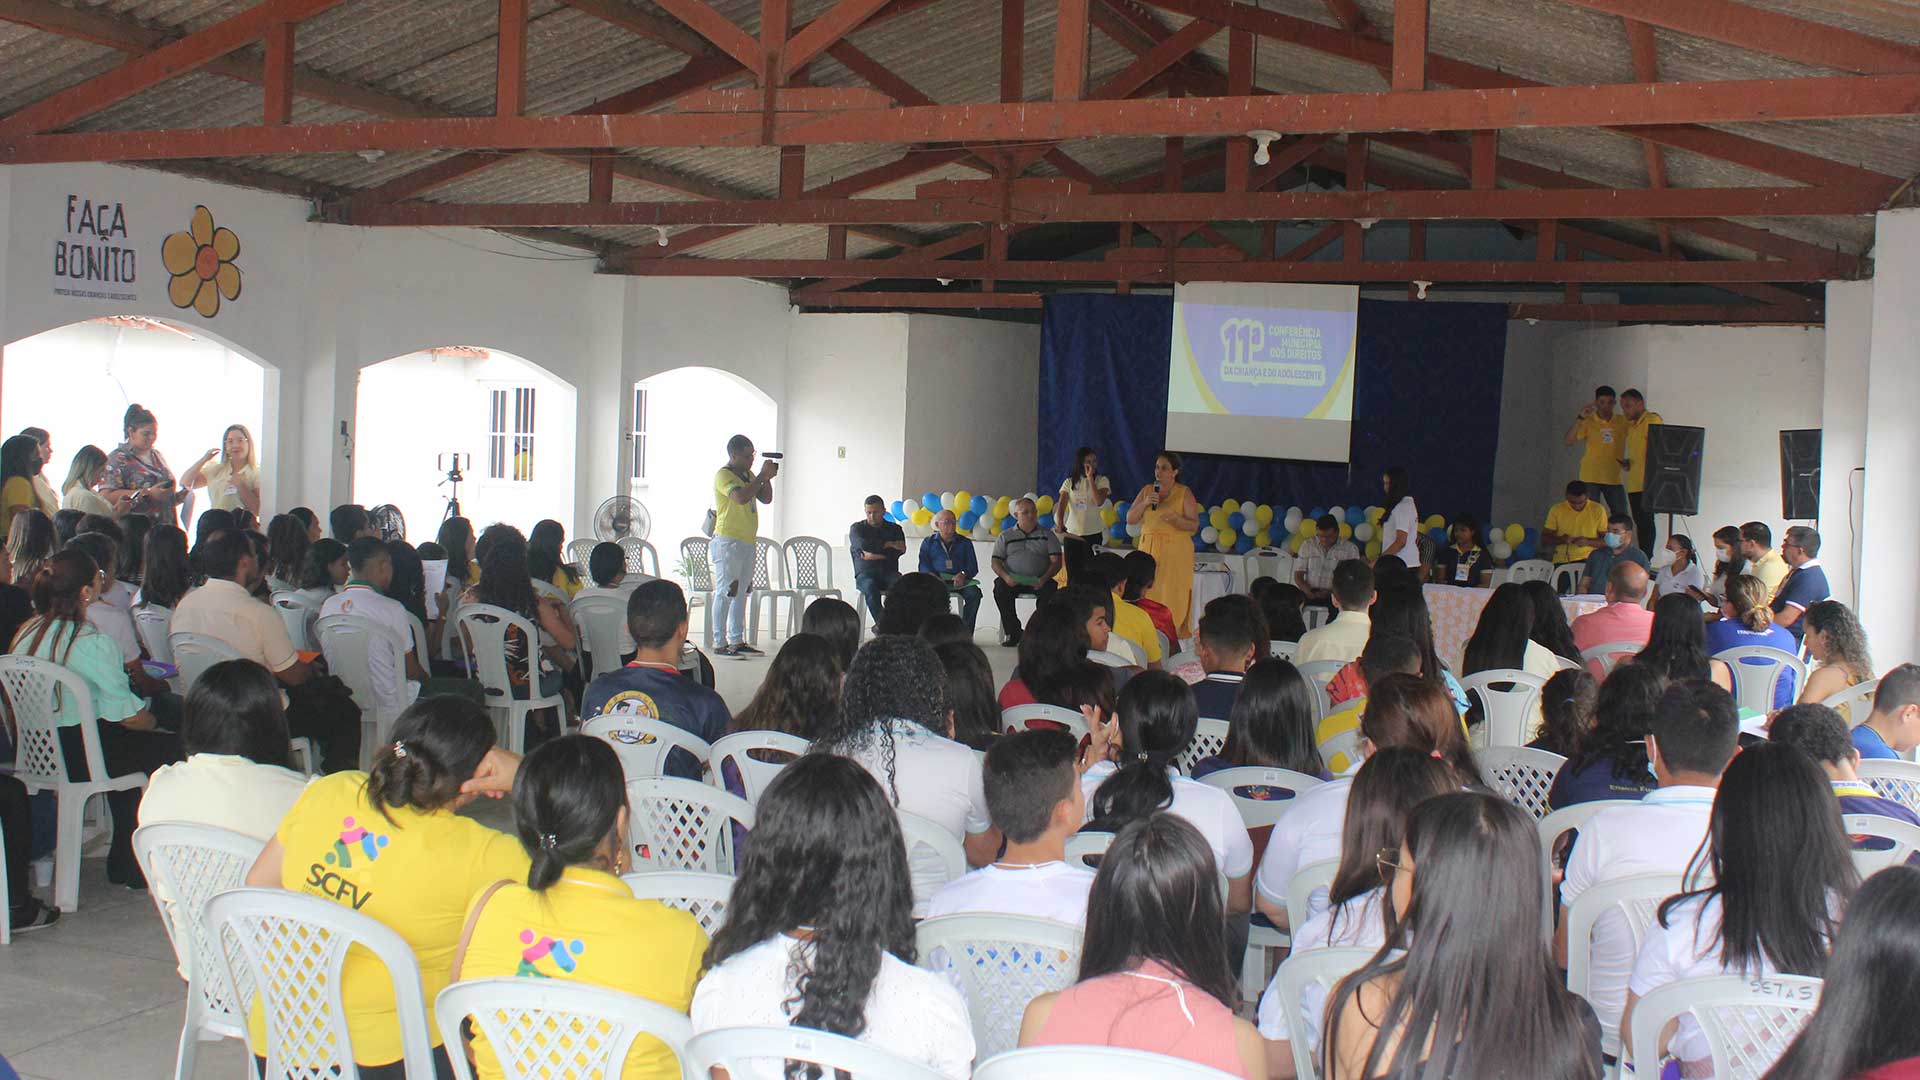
column 1456, row 611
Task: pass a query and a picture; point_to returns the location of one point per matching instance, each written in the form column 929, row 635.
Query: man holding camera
column 738, row 494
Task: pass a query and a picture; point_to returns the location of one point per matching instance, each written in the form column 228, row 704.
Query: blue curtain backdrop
column 1427, row 396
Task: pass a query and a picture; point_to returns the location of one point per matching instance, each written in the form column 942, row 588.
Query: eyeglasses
column 1386, row 861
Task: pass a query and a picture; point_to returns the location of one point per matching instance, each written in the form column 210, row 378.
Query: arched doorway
column 682, row 420
column 76, row 381
column 512, row 420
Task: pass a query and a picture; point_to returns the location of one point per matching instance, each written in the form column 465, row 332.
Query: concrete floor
column 97, row 997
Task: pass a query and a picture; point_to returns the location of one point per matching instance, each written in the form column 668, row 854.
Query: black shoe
column 724, row 650
column 744, row 649
column 1011, row 641
column 33, row 915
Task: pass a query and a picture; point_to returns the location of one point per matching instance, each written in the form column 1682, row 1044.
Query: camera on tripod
column 452, row 462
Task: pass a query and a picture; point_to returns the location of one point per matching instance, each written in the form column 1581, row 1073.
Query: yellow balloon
column 1109, row 516
column 962, row 501
column 1263, row 514
column 922, row 516
column 1374, row 514
column 1218, row 518
column 1293, row 544
column 1044, row 504
column 1231, row 506
column 1346, row 531
column 1516, row 533
column 1263, row 539
column 1435, row 521
column 1002, row 507
column 1373, row 549
column 993, row 527
column 1225, row 545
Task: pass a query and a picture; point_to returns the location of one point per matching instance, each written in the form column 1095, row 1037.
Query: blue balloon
column 1201, row 545
column 1006, row 522
column 1315, row 513
column 978, row 505
column 1439, row 534
column 1356, row 515
column 898, row 509
column 1046, row 521
column 931, row 501
column 968, row 520
column 1243, row 545
column 1235, row 520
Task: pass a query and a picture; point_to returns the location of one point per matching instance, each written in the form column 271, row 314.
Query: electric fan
column 387, row 519
column 620, row 517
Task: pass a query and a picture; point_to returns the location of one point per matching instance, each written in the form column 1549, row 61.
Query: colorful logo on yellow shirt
column 353, row 836
column 540, row 947
column 355, row 842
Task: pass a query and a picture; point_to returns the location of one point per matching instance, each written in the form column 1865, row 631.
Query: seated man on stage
column 949, row 556
column 1313, row 571
column 1574, row 526
column 1619, row 548
column 1025, row 559
column 876, row 545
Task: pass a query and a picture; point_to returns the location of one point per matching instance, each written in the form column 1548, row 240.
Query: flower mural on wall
column 200, row 261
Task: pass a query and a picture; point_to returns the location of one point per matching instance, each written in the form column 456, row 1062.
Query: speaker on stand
column 1800, row 474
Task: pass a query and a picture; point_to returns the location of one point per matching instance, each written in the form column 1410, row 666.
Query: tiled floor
column 96, row 997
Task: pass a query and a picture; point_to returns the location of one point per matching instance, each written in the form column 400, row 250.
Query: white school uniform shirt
column 1051, row 890
column 1404, row 518
column 1360, row 925
column 1668, row 582
column 938, row 779
column 390, row 683
column 1309, row 832
column 910, row 1013
column 1657, row 835
column 117, row 624
column 1205, row 807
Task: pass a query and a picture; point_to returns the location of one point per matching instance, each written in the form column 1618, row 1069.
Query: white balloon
column 946, row 500
column 1250, row 527
column 980, row 533
column 1292, row 519
column 910, row 506
column 1363, row 532
column 1339, row 512
column 1209, row 534
column 1133, row 529
column 1501, row 549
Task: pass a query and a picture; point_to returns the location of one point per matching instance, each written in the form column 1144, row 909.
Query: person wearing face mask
column 1619, row 547
column 1728, row 562
column 1683, row 573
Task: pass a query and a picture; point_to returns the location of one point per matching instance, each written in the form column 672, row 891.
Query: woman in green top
column 129, row 739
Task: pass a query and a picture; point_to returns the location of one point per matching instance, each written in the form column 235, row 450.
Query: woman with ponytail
column 571, row 918
column 390, row 845
column 819, row 930
column 1156, row 719
column 130, row 741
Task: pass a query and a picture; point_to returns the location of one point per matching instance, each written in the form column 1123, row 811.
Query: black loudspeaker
column 1673, row 468
column 1800, row 474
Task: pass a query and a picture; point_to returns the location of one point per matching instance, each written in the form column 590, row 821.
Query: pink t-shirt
column 1621, row 621
column 1148, row 1008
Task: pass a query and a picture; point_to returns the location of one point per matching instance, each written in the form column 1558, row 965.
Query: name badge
column 1460, row 572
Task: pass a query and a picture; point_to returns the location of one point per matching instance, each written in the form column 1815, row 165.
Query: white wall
column 973, row 404
column 1743, row 384
column 1843, row 441
column 1522, row 475
column 691, row 413
column 846, row 420
column 1889, row 574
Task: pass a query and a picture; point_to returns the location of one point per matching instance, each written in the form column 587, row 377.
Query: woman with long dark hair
column 30, row 541
column 456, row 537
column 910, row 601
column 1386, row 789
column 1153, row 965
column 130, row 740
column 1567, row 704
column 1550, row 627
column 570, row 811
column 1406, row 710
column 801, row 690
column 1463, row 986
column 1683, row 573
column 308, row 518
column 976, row 715
column 287, row 545
column 1728, row 562
column 1503, row 638
column 1864, row 1029
column 1168, row 516
column 1400, row 529
column 894, row 721
column 1677, row 644
column 1271, row 725
column 796, row 950
column 236, row 775
column 1780, row 872
column 169, row 574
column 1284, row 607
column 1053, row 667
column 19, row 464
column 131, row 566
column 837, row 622
column 505, row 582
column 545, row 560
column 1611, row 762
column 323, row 570
column 1157, row 716
column 1837, row 644
column 392, row 845
column 1076, row 509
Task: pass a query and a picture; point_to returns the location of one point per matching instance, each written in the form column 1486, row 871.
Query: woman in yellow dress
column 1168, row 516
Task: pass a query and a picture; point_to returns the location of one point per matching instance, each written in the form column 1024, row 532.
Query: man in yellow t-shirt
column 738, row 494
column 1604, row 432
column 1633, row 407
column 1574, row 526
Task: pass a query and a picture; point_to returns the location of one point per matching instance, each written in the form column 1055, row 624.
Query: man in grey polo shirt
column 1025, row 559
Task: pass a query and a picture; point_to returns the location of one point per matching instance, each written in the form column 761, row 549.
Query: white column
column 1843, row 443
column 1889, row 573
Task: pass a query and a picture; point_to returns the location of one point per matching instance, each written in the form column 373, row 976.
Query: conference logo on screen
column 1294, row 360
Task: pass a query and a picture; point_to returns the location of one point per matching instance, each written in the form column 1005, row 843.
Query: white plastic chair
column 1856, row 699
column 755, row 774
column 600, row 619
column 152, row 623
column 578, row 552
column 1637, row 899
column 1270, row 562
column 1018, row 717
column 1322, row 968
column 1209, row 738
column 1608, row 654
column 701, row 895
column 809, row 569
column 643, row 742
column 1342, row 743
column 1084, row 848
column 1278, row 788
column 1309, row 879
column 1896, row 780
column 1521, row 775
column 1757, row 669
column 35, row 687
column 769, row 588
column 1565, row 578
column 1904, row 835
column 1748, row 1022
column 185, row 864
column 920, row 833
column 482, row 630
column 677, row 824
column 1090, row 1063
column 732, row 1048
column 547, row 590
column 1282, row 650
column 1000, row 963
column 642, row 556
column 1566, row 819
column 1317, row 616
column 1530, row 570
column 1109, row 658
column 698, row 565
column 1509, row 699
column 540, row 1028
column 298, row 613
column 348, row 642
column 193, row 654
column 1180, row 660
column 1318, row 674
column 290, row 947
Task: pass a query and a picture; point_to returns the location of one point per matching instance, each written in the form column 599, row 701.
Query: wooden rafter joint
column 786, row 99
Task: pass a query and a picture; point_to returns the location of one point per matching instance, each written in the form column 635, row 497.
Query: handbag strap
column 466, row 932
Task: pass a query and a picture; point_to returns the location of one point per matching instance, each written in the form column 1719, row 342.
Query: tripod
column 452, row 463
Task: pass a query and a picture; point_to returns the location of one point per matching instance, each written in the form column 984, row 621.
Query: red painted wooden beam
column 1174, row 48
column 1070, row 50
column 277, row 90
column 510, row 61
column 1683, row 313
column 1410, row 44
column 1774, row 33
column 812, row 39
column 716, row 28
column 903, row 301
column 1013, row 44
column 635, row 21
column 1070, row 270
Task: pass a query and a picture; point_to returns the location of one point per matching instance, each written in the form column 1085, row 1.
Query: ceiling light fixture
column 1264, row 139
column 662, row 230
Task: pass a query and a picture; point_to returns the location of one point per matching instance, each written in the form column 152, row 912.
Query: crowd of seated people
column 1436, row 873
